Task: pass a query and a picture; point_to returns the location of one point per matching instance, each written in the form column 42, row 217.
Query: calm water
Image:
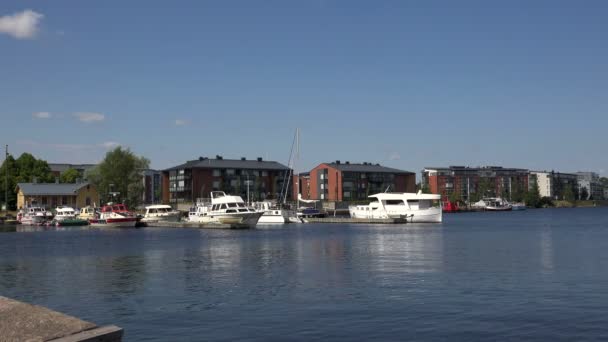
column 534, row 275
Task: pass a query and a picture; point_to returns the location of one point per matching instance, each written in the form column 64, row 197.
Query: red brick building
column 473, row 183
column 197, row 178
column 350, row 182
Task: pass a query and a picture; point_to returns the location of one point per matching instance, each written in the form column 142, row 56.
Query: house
column 50, row 195
column 348, row 181
column 555, row 185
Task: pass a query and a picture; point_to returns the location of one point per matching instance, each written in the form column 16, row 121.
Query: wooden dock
column 24, row 322
column 349, row 220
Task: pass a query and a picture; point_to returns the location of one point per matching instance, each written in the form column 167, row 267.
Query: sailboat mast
column 6, row 180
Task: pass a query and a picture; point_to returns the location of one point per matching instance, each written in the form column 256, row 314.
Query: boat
column 226, row 210
column 274, row 214
column 87, row 213
column 310, row 210
column 33, row 215
column 70, row 222
column 64, row 213
column 161, row 213
column 413, row 207
column 497, row 204
column 115, row 216
column 518, row 206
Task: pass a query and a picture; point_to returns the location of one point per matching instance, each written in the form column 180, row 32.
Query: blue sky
column 406, row 84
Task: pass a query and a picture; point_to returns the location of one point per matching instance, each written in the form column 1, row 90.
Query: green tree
column 120, row 171
column 24, row 169
column 569, row 195
column 455, row 197
column 532, row 197
column 69, row 176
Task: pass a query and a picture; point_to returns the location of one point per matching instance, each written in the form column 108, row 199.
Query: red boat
column 116, row 216
column 449, row 207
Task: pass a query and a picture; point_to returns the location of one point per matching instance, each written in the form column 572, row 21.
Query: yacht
column 64, row 213
column 115, row 216
column 275, row 214
column 161, row 212
column 225, row 209
column 414, row 207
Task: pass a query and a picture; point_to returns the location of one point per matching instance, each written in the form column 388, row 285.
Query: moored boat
column 226, row 210
column 414, row 207
column 161, row 213
column 33, row 215
column 114, row 216
column 273, row 214
column 64, row 213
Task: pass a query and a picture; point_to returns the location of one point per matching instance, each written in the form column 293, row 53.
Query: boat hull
column 434, row 215
column 248, row 219
column 129, row 222
column 164, row 218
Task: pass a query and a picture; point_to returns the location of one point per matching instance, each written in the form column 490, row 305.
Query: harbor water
column 530, row 275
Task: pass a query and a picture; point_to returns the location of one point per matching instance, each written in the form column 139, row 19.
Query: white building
column 554, row 185
column 544, row 181
column 591, row 182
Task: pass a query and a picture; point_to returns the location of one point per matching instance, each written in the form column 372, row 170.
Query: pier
column 25, row 322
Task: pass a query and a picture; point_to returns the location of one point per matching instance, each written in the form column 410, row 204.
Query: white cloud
column 22, row 25
column 90, row 117
column 180, row 122
column 109, row 144
column 394, row 156
column 42, row 115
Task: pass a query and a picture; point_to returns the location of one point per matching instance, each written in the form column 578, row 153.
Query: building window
column 233, row 182
column 264, row 173
column 216, row 173
column 256, row 173
column 216, row 185
column 88, row 201
column 181, row 172
column 230, row 172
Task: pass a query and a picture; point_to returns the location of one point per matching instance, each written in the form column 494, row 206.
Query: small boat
column 310, row 210
column 497, row 204
column 70, row 222
column 413, row 207
column 64, row 213
column 115, row 216
column 273, row 214
column 225, row 209
column 161, row 213
column 33, row 215
column 518, row 206
column 87, row 213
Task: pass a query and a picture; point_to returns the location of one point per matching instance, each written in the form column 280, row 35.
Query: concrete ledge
column 25, row 322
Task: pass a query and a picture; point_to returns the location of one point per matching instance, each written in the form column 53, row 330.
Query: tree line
column 119, row 172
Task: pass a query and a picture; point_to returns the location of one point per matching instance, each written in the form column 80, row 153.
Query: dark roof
column 58, row 167
column 30, row 189
column 206, row 163
column 366, row 167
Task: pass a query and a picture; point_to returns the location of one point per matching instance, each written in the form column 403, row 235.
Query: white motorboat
column 518, row 206
column 114, row 216
column 493, row 204
column 64, row 213
column 33, row 215
column 273, row 214
column 161, row 213
column 414, row 207
column 225, row 209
